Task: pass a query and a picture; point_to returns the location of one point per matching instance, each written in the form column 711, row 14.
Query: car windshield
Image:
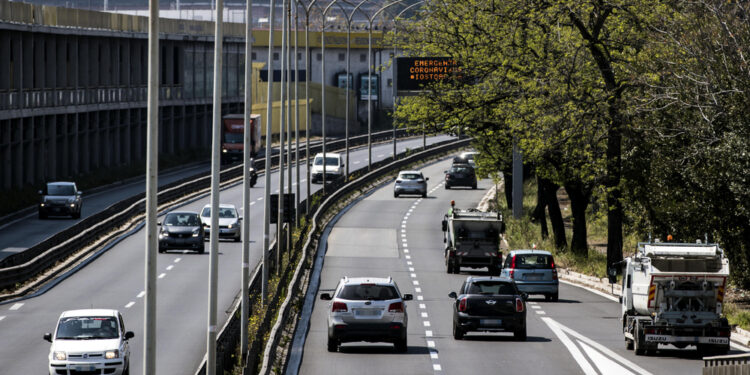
column 182, row 220
column 61, row 189
column 87, row 328
column 368, row 292
column 234, row 137
column 224, row 212
column 491, row 287
column 536, row 261
column 468, row 156
column 329, row 161
column 410, row 176
column 461, row 170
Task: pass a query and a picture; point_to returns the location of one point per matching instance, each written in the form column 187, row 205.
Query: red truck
column 232, row 137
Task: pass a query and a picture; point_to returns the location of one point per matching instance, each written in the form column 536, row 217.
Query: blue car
column 533, row 271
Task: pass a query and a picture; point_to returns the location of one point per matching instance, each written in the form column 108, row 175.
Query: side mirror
column 158, row 223
column 407, row 297
column 239, row 218
column 445, row 171
column 129, row 335
column 612, row 274
column 524, row 296
column 427, row 179
column 41, row 192
column 79, row 192
column 502, row 227
column 325, row 297
column 48, row 337
column 445, row 225
column 453, row 295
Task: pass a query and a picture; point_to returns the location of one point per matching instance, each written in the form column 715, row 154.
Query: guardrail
column 229, row 335
column 727, row 364
column 21, row 267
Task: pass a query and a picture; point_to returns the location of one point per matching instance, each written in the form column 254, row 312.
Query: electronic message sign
column 413, row 73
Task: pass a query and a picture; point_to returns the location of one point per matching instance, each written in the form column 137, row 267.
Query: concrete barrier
column 738, row 364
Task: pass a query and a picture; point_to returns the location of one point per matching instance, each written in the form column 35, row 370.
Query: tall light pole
column 269, row 130
column 246, row 177
column 289, row 106
column 307, row 96
column 348, row 18
column 282, row 119
column 323, row 88
column 152, row 164
column 213, row 262
column 296, row 113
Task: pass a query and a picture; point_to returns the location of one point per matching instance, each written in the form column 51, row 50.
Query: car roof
column 61, row 183
column 222, row 205
column 182, row 212
column 328, row 154
column 472, row 279
column 465, row 165
column 368, row 280
column 529, row 251
column 89, row 312
column 417, row 172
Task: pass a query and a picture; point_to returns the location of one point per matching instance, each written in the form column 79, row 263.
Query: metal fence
column 736, row 364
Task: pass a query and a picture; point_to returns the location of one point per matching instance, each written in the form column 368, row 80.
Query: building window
column 254, row 56
column 299, row 56
column 275, row 56
column 362, row 57
column 318, row 57
column 342, row 57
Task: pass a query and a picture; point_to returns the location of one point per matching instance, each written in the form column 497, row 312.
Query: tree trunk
column 508, row 185
column 614, row 195
column 579, row 200
column 538, row 214
column 555, row 216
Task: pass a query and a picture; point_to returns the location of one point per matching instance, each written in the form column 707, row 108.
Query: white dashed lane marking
column 129, row 305
column 169, row 267
column 422, row 306
column 177, row 260
column 141, row 294
column 2, row 317
column 16, row 306
column 162, row 275
column 426, row 323
column 428, row 333
column 536, row 307
column 540, row 312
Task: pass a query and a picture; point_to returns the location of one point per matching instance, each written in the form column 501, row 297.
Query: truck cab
column 233, row 137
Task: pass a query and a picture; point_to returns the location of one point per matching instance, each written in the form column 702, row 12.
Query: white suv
column 334, row 166
column 89, row 341
column 367, row 309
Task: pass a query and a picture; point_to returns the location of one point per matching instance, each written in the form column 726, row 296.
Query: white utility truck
column 472, row 239
column 673, row 294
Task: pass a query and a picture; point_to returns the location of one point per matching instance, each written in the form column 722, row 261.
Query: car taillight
column 513, row 262
column 554, row 270
column 396, row 307
column 519, row 305
column 510, row 273
column 339, row 307
column 462, row 304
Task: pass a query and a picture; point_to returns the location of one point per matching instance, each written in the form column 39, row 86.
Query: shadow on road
column 358, row 348
column 502, row 338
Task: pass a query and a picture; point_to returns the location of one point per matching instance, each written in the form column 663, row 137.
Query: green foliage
column 737, row 316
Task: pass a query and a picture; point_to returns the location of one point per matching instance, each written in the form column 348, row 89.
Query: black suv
column 460, row 175
column 60, row 199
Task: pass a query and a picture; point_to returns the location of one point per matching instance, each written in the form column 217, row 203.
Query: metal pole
column 296, row 113
column 369, row 97
column 282, row 120
column 269, row 130
column 246, row 176
column 307, row 107
column 213, row 263
column 323, row 93
column 152, row 165
column 348, row 83
column 289, row 103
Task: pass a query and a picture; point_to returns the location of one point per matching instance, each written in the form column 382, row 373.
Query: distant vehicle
column 533, row 271
column 92, row 341
column 472, row 239
column 489, row 304
column 460, row 175
column 334, row 166
column 410, row 182
column 233, row 139
column 181, row 230
column 367, row 309
column 229, row 222
column 673, row 293
column 60, row 199
column 467, row 157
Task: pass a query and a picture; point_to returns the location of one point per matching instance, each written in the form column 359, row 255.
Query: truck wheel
column 333, row 345
column 638, row 346
column 456, row 268
column 202, row 249
column 449, row 266
column 520, row 334
column 458, row 333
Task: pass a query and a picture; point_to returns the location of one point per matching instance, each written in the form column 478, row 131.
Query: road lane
column 115, row 279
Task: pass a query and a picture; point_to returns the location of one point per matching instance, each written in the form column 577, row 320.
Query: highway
column 116, row 279
column 579, row 334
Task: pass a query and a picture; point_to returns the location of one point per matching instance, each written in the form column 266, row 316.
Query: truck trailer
column 673, row 294
column 472, row 239
column 232, row 137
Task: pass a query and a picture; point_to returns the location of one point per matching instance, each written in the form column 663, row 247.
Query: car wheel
column 161, row 250
column 555, row 297
column 447, row 187
column 424, row 195
column 238, row 239
column 456, row 267
column 474, row 187
column 520, row 334
column 333, row 345
column 42, row 215
column 127, row 369
column 401, row 346
column 628, row 344
column 202, row 249
column 395, row 195
column 458, row 333
column 449, row 267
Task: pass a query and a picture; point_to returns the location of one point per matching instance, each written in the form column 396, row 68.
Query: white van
column 334, row 166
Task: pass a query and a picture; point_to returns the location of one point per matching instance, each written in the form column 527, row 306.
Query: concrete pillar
column 6, row 167
column 62, row 61
column 39, row 59
column 75, row 144
column 17, row 159
column 51, row 62
column 66, row 139
column 27, row 61
column 51, row 143
column 127, row 137
column 84, row 136
column 5, row 61
column 28, row 150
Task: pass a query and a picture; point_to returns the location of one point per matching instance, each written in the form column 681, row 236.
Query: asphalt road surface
column 579, row 334
column 115, row 280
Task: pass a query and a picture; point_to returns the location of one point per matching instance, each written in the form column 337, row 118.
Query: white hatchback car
column 367, row 309
column 89, row 341
column 229, row 222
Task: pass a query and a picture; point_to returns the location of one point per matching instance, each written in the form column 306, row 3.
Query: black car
column 181, row 230
column 489, row 304
column 60, row 199
column 460, row 175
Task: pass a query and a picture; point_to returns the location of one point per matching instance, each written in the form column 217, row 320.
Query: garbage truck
column 472, row 239
column 673, row 294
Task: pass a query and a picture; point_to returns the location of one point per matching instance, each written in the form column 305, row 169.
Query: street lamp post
column 282, row 119
column 246, row 176
column 269, row 129
column 296, row 114
column 307, row 96
column 323, row 88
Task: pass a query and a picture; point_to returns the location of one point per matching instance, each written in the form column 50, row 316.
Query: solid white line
column 185, row 251
column 605, row 295
column 141, row 294
column 428, row 333
column 169, row 267
column 129, row 305
column 162, row 275
column 572, row 348
column 2, row 317
column 16, row 306
column 604, row 364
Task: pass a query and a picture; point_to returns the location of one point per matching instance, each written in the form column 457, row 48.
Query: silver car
column 410, row 182
column 533, row 271
column 367, row 309
column 229, row 222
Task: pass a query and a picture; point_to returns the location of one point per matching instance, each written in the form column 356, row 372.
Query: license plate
column 657, row 338
column 534, row 276
column 85, row 368
column 368, row 312
column 491, row 322
column 717, row 340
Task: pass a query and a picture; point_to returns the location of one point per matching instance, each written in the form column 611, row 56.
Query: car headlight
column 72, row 205
column 196, row 232
column 41, row 204
column 230, row 226
column 224, row 150
column 60, row 356
column 112, row 354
